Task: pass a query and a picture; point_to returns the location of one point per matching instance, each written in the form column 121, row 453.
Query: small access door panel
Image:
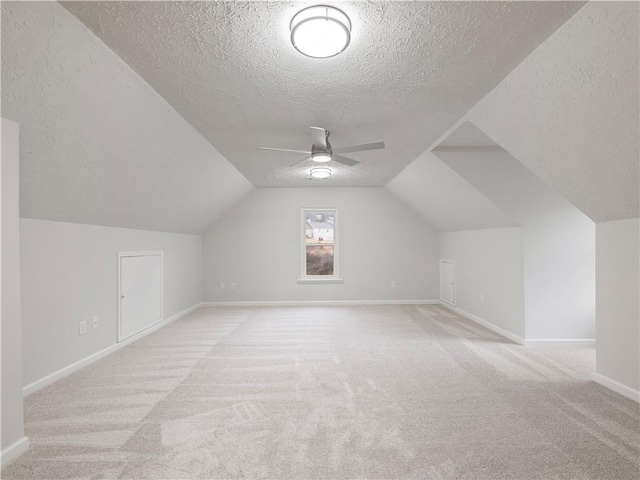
column 140, row 292
column 447, row 281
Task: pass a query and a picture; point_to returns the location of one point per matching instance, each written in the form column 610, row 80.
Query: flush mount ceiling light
column 320, row 172
column 321, row 157
column 320, row 31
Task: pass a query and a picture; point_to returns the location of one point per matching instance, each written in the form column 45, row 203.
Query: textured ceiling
column 569, row 112
column 97, row 144
column 412, row 70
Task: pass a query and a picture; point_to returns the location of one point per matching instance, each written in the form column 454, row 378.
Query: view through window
column 319, row 242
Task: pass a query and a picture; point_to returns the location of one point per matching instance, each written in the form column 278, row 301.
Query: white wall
column 569, row 111
column 618, row 303
column 69, row 274
column 559, row 243
column 257, row 245
column 559, row 271
column 12, row 416
column 489, row 263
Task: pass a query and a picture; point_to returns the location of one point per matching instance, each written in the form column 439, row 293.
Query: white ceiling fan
column 322, row 151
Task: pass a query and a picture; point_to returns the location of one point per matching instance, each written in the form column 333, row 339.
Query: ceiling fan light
column 321, row 157
column 320, row 172
column 320, row 31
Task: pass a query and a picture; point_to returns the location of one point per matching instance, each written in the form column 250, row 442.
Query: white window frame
column 304, row 278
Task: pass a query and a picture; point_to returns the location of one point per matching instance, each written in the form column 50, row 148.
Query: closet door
column 140, row 292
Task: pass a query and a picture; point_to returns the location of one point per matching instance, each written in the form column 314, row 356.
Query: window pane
column 319, row 259
column 319, row 247
column 318, row 227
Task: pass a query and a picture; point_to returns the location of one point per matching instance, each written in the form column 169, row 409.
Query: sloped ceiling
column 521, row 195
column 411, row 71
column 98, row 144
column 445, row 199
column 570, row 111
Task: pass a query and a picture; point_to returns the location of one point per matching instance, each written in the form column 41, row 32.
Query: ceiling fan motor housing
column 319, row 154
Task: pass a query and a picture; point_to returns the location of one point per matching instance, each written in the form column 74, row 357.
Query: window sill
column 320, row 280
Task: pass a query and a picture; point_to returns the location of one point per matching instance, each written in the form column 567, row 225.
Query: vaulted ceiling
column 150, row 114
column 411, row 70
column 569, row 113
column 97, row 144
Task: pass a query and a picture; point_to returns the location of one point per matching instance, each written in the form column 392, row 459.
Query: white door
column 140, row 292
column 447, row 281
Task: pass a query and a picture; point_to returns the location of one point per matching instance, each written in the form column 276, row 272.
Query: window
column 319, row 246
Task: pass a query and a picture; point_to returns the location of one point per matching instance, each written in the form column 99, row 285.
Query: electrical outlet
column 482, row 298
column 393, row 284
column 83, row 327
column 222, row 285
column 96, row 322
column 233, row 285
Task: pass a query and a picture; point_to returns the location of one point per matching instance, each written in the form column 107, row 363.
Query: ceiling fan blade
column 319, row 137
column 300, row 161
column 285, row 150
column 359, row 148
column 344, row 160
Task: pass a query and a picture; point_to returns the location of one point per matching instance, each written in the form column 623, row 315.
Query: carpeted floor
column 334, row 393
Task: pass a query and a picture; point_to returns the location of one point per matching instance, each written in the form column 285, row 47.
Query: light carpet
column 392, row 392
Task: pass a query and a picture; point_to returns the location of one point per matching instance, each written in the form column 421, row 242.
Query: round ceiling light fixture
column 320, row 172
column 321, row 157
column 320, row 31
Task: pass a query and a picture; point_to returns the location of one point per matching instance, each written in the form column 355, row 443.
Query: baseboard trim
column 617, row 387
column 547, row 342
column 13, row 451
column 500, row 331
column 74, row 367
column 319, row 303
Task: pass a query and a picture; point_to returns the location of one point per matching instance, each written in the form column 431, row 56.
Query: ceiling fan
column 322, row 151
